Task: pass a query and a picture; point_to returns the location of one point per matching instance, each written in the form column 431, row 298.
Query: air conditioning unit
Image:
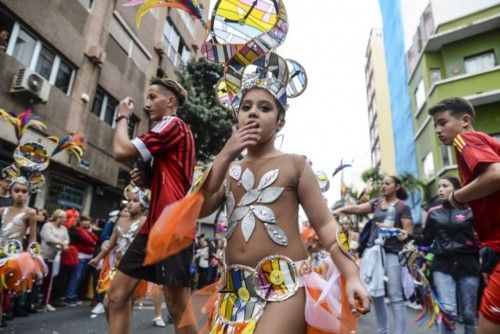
column 30, row 83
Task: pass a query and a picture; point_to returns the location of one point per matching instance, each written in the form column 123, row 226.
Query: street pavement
column 77, row 321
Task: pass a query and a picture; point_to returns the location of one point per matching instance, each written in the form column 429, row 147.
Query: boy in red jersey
column 169, row 148
column 478, row 160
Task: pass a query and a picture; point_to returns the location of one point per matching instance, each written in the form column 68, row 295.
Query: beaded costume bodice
column 126, row 236
column 15, row 228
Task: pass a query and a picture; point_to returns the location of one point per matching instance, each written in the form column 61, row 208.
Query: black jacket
column 454, row 242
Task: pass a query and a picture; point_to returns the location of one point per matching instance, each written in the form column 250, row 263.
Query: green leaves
column 211, row 124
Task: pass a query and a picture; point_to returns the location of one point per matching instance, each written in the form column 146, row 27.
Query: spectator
column 202, row 257
column 54, row 238
column 4, row 39
column 85, row 241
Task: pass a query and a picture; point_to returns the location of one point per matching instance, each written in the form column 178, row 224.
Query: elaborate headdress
column 32, row 158
column 242, row 37
column 144, row 194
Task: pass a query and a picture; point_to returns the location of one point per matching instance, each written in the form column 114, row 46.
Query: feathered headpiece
column 31, row 158
column 192, row 7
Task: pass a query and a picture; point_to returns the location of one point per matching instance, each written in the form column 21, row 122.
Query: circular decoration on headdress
column 10, row 172
column 31, row 156
column 238, row 22
column 13, row 247
column 323, row 181
column 37, row 181
column 297, row 81
column 222, row 94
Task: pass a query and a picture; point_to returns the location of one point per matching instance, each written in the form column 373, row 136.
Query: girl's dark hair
column 453, row 180
column 401, row 193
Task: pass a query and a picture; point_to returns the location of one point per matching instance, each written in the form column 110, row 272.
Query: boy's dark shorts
column 172, row 272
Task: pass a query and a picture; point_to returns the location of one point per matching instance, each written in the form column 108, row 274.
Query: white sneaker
column 98, row 309
column 49, row 308
column 158, row 322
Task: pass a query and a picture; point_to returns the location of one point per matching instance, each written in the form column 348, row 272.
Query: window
column 435, row 75
column 64, row 193
column 86, row 3
column 41, row 58
column 420, row 95
column 45, row 61
column 24, row 47
column 132, row 126
column 376, row 154
column 175, row 47
column 187, row 20
column 129, row 43
column 428, row 165
column 446, row 155
column 104, row 106
column 479, row 63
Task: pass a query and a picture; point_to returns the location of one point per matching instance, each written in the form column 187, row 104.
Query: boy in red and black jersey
column 169, row 150
column 478, row 159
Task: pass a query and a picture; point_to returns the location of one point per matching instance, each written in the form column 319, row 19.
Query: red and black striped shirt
column 170, row 144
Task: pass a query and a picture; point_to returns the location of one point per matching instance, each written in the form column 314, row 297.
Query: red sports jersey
column 474, row 149
column 170, row 144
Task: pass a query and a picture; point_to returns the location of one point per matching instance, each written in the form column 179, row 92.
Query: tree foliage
column 210, row 123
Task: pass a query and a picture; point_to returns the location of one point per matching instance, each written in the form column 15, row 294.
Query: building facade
column 397, row 73
column 73, row 61
column 461, row 57
column 379, row 105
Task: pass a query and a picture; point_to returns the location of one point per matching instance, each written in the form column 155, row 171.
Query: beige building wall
column 379, row 108
column 100, row 42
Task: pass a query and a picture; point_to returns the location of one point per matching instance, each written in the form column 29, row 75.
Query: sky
column 329, row 121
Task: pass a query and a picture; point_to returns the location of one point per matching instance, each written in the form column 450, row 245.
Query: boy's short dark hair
column 85, row 218
column 457, row 106
column 173, row 86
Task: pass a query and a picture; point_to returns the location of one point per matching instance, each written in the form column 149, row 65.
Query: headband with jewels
column 32, row 158
column 144, row 194
column 243, row 36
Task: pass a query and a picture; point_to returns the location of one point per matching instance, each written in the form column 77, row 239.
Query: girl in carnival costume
column 124, row 232
column 266, row 264
column 265, row 260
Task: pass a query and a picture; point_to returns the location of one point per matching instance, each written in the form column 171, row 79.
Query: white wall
column 448, row 10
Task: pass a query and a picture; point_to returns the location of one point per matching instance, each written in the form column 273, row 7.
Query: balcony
column 479, row 88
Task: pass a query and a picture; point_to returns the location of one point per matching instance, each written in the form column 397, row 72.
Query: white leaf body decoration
column 231, row 227
column 264, row 213
column 249, row 197
column 268, row 179
column 235, row 172
column 230, row 204
column 277, row 234
column 247, row 226
column 270, row 194
column 247, row 179
column 239, row 213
